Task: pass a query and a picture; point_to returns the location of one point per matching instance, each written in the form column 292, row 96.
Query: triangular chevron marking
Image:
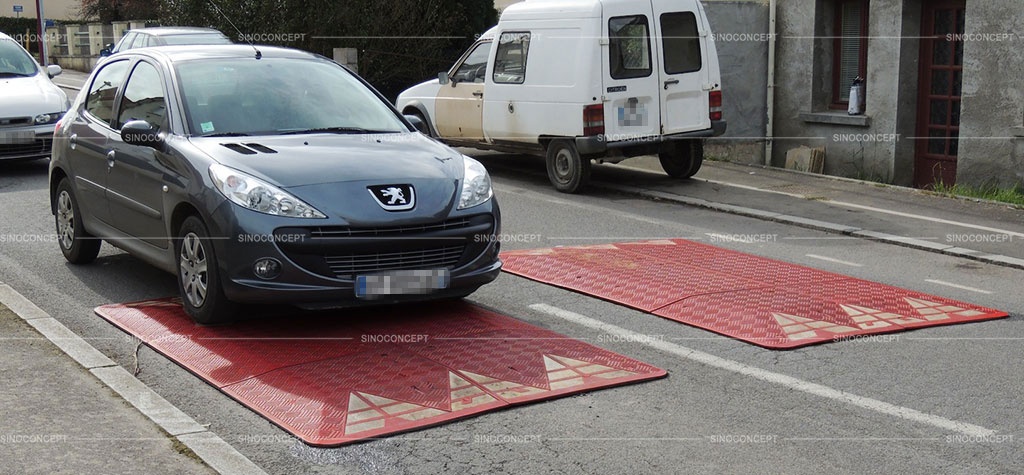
column 933, row 311
column 802, row 328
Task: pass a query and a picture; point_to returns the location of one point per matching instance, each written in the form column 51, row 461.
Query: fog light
column 267, row 268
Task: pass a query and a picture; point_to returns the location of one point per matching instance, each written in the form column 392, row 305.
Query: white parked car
column 578, row 80
column 30, row 104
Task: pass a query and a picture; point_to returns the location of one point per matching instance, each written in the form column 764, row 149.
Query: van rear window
column 629, row 47
column 681, row 42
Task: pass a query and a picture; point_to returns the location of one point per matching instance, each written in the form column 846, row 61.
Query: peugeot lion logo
column 394, row 197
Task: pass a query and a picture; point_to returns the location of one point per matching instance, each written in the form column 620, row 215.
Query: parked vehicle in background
column 579, row 80
column 166, row 36
column 269, row 177
column 30, row 104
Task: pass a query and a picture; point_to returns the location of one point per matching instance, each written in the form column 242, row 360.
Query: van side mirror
column 443, row 79
column 142, row 134
column 419, row 124
column 53, row 70
column 107, row 50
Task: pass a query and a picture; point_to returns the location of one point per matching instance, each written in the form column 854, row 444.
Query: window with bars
column 850, row 48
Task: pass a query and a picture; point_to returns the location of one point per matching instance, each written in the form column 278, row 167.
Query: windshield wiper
column 17, row 75
column 337, row 130
column 227, row 134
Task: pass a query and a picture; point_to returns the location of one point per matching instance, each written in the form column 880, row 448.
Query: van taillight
column 715, row 105
column 593, row 119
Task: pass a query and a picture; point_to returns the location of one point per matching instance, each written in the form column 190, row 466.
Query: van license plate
column 409, row 282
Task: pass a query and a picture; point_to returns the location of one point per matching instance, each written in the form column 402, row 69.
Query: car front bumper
column 320, row 260
column 26, row 142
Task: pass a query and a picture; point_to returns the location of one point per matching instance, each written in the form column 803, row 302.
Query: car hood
column 331, row 172
column 31, row 96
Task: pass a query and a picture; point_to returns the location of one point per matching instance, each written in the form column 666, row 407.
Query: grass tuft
column 1014, row 196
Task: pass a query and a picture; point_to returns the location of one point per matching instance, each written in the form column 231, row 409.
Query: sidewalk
column 58, row 418
column 978, row 230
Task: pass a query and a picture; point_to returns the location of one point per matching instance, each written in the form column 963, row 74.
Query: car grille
column 347, row 266
column 40, row 147
column 343, row 232
column 15, row 121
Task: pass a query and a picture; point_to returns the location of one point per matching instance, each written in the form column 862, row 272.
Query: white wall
column 52, row 9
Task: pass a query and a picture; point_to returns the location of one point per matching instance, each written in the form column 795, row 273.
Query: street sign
column 18, row 9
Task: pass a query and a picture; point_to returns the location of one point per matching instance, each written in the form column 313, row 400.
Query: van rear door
column 632, row 101
column 680, row 35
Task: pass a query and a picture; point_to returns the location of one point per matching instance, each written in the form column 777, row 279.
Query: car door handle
column 478, row 93
column 670, row 82
column 110, row 158
column 73, row 141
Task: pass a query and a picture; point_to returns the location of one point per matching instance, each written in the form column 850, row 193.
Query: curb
column 828, row 227
column 214, row 451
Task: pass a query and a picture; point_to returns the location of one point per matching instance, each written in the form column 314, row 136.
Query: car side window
column 125, row 42
column 143, row 97
column 629, row 47
column 510, row 59
column 100, row 101
column 681, row 42
column 140, row 41
column 474, row 68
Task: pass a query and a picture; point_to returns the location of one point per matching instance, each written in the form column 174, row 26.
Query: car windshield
column 197, row 39
column 273, row 96
column 14, row 61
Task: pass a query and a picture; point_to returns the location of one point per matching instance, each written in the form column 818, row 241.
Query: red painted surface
column 762, row 301
column 359, row 374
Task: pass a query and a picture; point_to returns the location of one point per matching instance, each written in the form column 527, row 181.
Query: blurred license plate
column 407, row 282
column 17, row 137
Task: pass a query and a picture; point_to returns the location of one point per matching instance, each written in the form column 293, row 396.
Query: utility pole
column 42, row 32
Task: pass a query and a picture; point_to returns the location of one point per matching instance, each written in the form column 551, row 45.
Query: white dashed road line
column 958, row 286
column 837, row 261
column 770, row 377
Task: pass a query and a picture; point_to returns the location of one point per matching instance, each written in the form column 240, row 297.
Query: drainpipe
column 770, row 126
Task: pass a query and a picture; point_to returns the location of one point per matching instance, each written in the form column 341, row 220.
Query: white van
column 578, row 80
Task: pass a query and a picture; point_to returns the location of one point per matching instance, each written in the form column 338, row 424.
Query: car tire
column 77, row 245
column 682, row 159
column 568, row 171
column 199, row 279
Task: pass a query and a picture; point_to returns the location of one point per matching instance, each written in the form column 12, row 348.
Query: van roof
column 545, row 9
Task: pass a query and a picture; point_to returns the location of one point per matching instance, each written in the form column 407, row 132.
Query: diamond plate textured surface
column 761, row 301
column 333, row 379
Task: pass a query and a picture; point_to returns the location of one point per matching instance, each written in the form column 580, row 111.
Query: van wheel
column 77, row 245
column 199, row 280
column 567, row 170
column 682, row 159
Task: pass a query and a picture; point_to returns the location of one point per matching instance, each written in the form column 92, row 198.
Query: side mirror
column 107, row 50
column 419, row 124
column 139, row 132
column 53, row 70
column 442, row 78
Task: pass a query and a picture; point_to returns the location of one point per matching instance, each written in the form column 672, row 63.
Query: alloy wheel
column 65, row 220
column 193, row 269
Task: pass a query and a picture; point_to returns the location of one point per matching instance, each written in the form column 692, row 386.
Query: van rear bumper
column 596, row 145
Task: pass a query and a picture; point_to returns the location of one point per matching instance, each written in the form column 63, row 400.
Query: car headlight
column 252, row 193
column 476, row 186
column 50, row 118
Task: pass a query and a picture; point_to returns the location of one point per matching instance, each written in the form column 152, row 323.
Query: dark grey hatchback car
column 275, row 176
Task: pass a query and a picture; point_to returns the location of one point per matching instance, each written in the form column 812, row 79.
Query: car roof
column 3, row 36
column 175, row 30
column 177, row 54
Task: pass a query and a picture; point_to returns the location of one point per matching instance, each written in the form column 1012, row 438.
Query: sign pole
column 42, row 32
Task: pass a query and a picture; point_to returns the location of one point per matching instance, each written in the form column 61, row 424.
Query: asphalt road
column 700, row 419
